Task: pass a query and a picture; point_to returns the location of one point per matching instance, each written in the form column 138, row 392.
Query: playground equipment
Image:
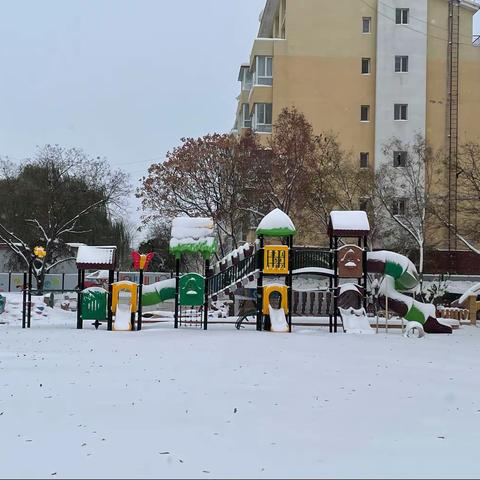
column 95, row 258
column 94, row 305
column 348, row 262
column 124, row 305
column 401, row 275
column 346, row 266
column 190, row 236
column 274, row 299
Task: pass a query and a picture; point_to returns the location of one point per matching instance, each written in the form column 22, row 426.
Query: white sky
column 124, row 79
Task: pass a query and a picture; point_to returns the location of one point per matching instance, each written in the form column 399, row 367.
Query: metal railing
column 232, row 274
column 476, row 41
column 310, row 257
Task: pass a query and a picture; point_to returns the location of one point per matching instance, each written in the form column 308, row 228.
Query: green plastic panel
column 192, row 290
column 94, row 305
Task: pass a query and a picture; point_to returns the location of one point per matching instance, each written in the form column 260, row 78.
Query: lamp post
column 35, row 263
column 140, row 262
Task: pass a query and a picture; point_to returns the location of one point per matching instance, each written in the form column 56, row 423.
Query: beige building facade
column 368, row 71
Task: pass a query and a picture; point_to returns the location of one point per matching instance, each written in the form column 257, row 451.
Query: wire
column 413, row 29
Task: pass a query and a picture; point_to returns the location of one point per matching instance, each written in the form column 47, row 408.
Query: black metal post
column 330, row 283
column 205, row 306
column 111, row 279
column 24, row 303
column 335, row 292
column 9, row 281
column 79, row 300
column 365, row 272
column 29, row 298
column 140, row 293
column 63, row 282
column 290, row 283
column 260, row 284
column 177, row 290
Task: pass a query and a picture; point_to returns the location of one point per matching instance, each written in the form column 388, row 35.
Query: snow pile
column 276, row 224
column 355, row 321
column 349, row 221
column 472, row 291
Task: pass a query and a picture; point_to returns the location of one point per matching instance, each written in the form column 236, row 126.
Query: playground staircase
column 240, row 267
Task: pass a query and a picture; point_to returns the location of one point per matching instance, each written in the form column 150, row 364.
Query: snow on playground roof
column 344, row 223
column 96, row 257
column 190, row 235
column 276, row 224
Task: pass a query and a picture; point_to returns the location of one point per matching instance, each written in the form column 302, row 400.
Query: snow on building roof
column 345, row 223
column 276, row 224
column 190, row 235
column 95, row 257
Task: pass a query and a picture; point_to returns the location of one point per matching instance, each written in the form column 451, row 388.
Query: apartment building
column 368, row 70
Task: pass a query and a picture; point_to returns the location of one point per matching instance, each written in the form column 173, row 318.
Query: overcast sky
column 124, row 79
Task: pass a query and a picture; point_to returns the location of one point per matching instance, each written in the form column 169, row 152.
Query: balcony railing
column 476, row 40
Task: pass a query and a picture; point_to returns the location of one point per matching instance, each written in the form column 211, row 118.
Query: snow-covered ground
column 227, row 403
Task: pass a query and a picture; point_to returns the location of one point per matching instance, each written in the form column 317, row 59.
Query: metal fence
column 67, row 282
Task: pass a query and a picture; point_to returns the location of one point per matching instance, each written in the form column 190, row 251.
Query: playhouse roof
column 348, row 223
column 190, row 235
column 96, row 258
column 276, row 224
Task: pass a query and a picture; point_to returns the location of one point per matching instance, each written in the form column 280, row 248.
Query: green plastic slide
column 158, row 292
column 400, row 276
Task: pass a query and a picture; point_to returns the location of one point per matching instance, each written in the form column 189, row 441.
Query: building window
column 399, row 207
column 364, row 157
column 247, row 79
column 246, row 118
column 264, row 71
column 399, row 159
column 401, row 16
column 401, row 63
column 367, row 25
column 401, row 111
column 366, row 66
column 263, row 117
column 365, row 113
column 363, row 204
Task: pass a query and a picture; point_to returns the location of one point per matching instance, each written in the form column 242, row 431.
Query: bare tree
column 466, row 229
column 337, row 183
column 54, row 197
column 284, row 175
column 211, row 176
column 402, row 190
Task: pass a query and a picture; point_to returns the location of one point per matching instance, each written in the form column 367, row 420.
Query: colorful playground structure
column 355, row 277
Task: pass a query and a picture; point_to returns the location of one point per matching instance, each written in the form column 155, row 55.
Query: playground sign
column 350, row 262
column 275, row 260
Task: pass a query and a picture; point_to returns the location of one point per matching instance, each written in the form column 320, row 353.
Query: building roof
column 276, row 224
column 190, row 235
column 98, row 258
column 349, row 223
